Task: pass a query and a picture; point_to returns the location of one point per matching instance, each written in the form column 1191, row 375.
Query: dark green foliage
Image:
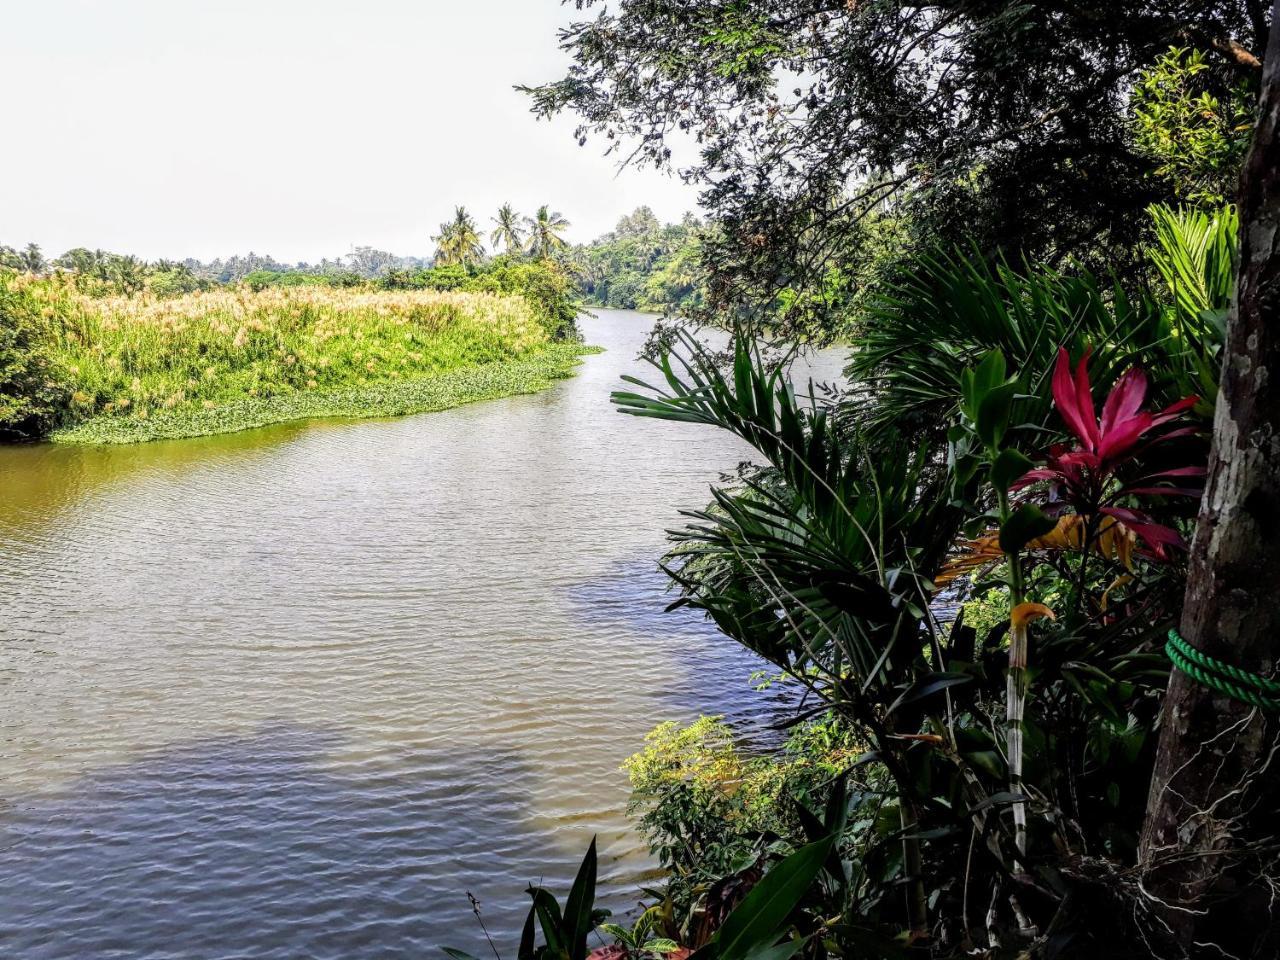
column 1194, row 123
column 1004, row 123
column 642, row 265
column 941, row 316
column 822, row 563
column 33, row 393
column 751, row 931
column 261, row 279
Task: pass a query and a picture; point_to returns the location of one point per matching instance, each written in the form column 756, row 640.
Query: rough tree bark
column 1209, row 856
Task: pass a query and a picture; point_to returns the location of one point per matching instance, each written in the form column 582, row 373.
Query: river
column 292, row 693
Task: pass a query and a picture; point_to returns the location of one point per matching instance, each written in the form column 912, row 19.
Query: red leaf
column 1163, row 491
column 1084, row 400
column 1125, row 399
column 1124, row 436
column 1066, row 398
column 1174, row 410
column 1156, row 534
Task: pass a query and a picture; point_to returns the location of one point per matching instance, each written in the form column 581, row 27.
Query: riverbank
column 392, row 398
column 83, row 368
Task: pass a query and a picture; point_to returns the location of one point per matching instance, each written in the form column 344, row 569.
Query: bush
column 707, row 807
column 541, row 283
column 33, row 396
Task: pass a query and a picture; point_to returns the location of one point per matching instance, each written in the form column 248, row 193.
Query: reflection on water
column 293, row 692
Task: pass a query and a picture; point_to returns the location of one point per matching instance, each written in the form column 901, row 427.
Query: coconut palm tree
column 458, row 242
column 509, row 232
column 545, row 228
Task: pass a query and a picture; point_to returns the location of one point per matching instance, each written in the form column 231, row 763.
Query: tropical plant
column 458, row 243
column 942, row 313
column 508, row 231
column 1194, row 124
column 1089, row 478
column 545, row 229
column 751, row 931
column 708, row 808
column 821, row 562
column 1195, row 253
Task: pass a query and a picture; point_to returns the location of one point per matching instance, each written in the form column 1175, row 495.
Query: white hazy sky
column 176, row 128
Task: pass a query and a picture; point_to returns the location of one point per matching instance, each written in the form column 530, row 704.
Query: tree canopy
column 1005, row 122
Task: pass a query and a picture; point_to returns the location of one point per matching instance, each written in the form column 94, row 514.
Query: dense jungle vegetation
column 1021, row 218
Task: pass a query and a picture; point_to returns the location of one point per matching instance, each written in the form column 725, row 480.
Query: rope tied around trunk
column 1251, row 688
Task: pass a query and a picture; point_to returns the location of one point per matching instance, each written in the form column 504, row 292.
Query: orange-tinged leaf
column 1024, row 613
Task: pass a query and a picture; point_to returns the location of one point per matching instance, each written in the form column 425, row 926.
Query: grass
column 441, row 391
column 144, row 368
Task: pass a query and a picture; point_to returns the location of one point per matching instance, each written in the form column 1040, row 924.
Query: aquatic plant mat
column 440, row 391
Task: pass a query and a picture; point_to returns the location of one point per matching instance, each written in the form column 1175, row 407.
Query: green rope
column 1238, row 684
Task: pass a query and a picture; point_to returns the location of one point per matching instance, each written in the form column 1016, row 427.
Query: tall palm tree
column 458, row 242
column 545, row 228
column 509, row 232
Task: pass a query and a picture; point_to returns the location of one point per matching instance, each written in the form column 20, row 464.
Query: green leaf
column 619, row 933
column 1027, row 523
column 526, row 936
column 548, row 912
column 1008, row 467
column 993, row 413
column 577, row 909
column 661, row 945
column 759, row 919
column 979, row 381
column 928, row 685
column 782, row 951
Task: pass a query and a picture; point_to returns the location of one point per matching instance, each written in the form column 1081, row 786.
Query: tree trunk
column 1209, row 853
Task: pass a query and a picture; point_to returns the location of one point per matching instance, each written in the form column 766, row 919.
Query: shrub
column 707, row 807
column 33, row 394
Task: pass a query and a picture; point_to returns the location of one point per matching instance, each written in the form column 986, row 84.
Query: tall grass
column 142, row 356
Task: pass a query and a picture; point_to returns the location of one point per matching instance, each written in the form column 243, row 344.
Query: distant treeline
column 642, row 264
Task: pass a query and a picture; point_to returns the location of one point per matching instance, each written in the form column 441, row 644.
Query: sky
column 295, row 128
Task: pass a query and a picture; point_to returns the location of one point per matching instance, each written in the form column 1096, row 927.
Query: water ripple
column 292, row 693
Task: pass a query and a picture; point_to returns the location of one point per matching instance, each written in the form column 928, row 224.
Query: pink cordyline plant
column 1087, row 477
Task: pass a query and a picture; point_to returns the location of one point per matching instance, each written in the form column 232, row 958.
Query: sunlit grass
column 388, row 398
column 230, row 358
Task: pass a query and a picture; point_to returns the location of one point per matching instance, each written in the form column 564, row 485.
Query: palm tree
column 458, row 242
column 544, row 232
column 509, row 232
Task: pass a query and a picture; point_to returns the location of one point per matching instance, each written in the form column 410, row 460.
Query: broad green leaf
column 1027, row 523
column 929, row 685
column 661, row 945
column 782, row 951
column 1008, row 467
column 993, row 413
column 759, row 919
column 577, row 909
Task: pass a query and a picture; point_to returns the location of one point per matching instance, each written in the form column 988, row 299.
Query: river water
column 292, row 693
